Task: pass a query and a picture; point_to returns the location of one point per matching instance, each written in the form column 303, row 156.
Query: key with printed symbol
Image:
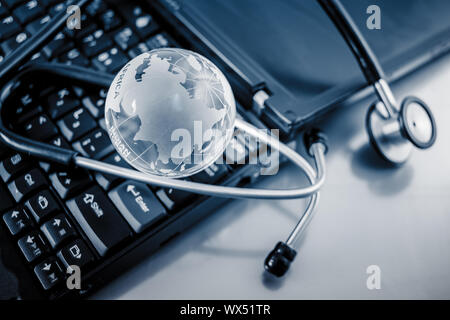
column 57, row 230
column 24, row 185
column 36, row 25
column 61, row 102
column 99, row 219
column 106, row 181
column 74, row 57
column 59, row 142
column 174, row 199
column 40, row 128
column 8, row 27
column 95, row 103
column 76, row 253
column 110, row 61
column 32, row 246
column 58, row 45
column 13, row 165
column 68, row 183
column 138, row 205
column 76, row 124
column 95, row 145
column 42, row 205
column 212, row 174
column 126, row 38
column 28, row 11
column 11, row 44
column 95, row 43
column 110, row 20
column 17, row 221
column 49, row 273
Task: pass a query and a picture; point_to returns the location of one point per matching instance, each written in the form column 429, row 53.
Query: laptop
column 284, row 59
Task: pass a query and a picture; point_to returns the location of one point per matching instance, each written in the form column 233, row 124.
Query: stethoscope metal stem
column 387, row 97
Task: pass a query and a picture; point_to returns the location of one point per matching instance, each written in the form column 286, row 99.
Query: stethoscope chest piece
column 394, row 136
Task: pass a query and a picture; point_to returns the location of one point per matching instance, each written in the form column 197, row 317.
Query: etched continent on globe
column 170, row 112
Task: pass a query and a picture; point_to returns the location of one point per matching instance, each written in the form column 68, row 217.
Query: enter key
column 138, row 205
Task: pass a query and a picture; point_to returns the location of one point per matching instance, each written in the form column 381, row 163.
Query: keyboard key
column 57, row 8
column 125, row 38
column 49, row 273
column 57, row 230
column 174, row 199
column 59, row 142
column 47, row 3
column 40, row 128
column 32, row 246
column 58, row 45
column 95, row 103
column 86, row 27
column 96, row 7
column 17, row 221
column 100, row 221
column 8, row 27
column 11, row 44
column 139, row 49
column 95, row 145
column 3, row 10
column 27, row 107
column 110, row 61
column 13, row 165
column 76, row 124
column 42, row 205
column 26, row 184
column 76, row 253
column 61, row 102
column 145, row 25
column 212, row 174
column 137, row 204
column 110, row 20
column 12, row 3
column 95, row 43
column 161, row 40
column 74, row 57
column 36, row 25
column 5, row 200
column 69, row 183
column 28, row 11
column 107, row 180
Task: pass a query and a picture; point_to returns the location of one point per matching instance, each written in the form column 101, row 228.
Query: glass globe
column 170, row 112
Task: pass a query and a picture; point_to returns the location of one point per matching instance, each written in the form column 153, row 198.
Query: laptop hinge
column 259, row 100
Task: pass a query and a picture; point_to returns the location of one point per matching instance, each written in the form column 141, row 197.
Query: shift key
column 138, row 205
column 99, row 220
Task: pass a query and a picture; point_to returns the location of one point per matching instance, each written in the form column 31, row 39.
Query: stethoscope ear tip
column 279, row 259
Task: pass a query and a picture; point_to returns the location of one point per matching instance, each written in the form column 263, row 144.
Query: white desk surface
column 398, row 219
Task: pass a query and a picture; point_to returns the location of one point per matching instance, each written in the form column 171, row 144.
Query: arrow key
column 76, row 253
column 32, row 246
column 57, row 230
column 49, row 273
column 16, row 220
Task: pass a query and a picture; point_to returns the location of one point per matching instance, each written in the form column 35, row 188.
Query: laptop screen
column 297, row 44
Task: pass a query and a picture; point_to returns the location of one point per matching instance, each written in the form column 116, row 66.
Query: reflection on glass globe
column 170, row 112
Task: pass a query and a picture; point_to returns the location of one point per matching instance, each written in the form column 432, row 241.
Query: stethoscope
column 392, row 131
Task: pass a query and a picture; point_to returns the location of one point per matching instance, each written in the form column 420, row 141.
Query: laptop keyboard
column 56, row 216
